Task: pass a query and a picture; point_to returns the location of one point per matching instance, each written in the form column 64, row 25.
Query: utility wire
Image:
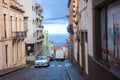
column 55, row 18
column 42, row 20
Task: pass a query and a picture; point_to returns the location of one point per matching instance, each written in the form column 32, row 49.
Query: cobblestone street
column 58, row 70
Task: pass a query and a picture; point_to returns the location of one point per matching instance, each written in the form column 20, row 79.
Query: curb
column 5, row 72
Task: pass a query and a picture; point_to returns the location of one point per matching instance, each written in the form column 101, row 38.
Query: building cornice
column 16, row 6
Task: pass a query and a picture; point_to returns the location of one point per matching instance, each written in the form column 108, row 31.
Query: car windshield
column 41, row 58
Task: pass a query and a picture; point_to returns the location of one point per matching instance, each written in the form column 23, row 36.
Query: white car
column 42, row 61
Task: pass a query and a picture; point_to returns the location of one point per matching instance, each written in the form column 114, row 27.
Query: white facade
column 85, row 26
column 34, row 32
column 27, row 6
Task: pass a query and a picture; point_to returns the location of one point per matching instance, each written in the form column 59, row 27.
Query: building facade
column 85, row 33
column 46, row 43
column 72, row 29
column 12, row 34
column 33, row 18
column 105, row 56
column 98, row 39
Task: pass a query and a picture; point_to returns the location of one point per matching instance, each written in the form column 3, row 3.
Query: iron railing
column 19, row 34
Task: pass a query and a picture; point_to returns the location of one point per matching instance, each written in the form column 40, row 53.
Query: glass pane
column 103, row 35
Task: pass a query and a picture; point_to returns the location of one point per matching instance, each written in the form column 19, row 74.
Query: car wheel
column 48, row 64
column 35, row 66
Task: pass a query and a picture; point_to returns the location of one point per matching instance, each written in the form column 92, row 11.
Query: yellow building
column 75, row 10
column 12, row 34
column 72, row 28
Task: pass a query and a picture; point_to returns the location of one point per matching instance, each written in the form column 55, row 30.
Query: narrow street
column 57, row 70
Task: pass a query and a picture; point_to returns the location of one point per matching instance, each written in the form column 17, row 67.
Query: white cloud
column 47, row 15
column 56, row 28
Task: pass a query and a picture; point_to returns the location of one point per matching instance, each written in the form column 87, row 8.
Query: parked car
column 51, row 57
column 42, row 61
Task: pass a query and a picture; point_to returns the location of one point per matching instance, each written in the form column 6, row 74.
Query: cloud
column 56, row 28
column 59, row 21
column 54, row 9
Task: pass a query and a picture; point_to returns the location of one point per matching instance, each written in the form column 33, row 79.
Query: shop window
column 110, row 36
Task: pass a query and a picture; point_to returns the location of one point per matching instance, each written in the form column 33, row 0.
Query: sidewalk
column 73, row 72
column 4, row 72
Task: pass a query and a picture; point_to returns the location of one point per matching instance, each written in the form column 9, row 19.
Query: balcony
column 19, row 35
column 38, row 16
column 39, row 27
column 17, row 6
column 40, row 38
column 70, row 29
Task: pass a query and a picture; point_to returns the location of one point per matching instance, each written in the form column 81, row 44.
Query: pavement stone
column 10, row 70
column 67, row 71
column 73, row 72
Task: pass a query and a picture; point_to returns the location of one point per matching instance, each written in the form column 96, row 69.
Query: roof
column 57, row 47
column 69, row 3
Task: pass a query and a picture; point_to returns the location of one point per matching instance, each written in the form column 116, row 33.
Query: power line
column 55, row 18
column 42, row 20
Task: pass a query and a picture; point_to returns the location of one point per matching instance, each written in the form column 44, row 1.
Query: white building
column 33, row 20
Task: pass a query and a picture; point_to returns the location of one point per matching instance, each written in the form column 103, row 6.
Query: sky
column 55, row 9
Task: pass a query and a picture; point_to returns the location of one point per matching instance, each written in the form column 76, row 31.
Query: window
column 104, row 36
column 110, row 36
column 86, row 37
column 17, row 52
column 33, row 21
column 6, row 50
column 110, row 33
column 5, row 26
column 26, row 23
column 20, row 24
column 16, row 23
column 11, row 23
column 32, row 8
column 13, row 46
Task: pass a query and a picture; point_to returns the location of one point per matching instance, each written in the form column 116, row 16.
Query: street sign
column 69, row 46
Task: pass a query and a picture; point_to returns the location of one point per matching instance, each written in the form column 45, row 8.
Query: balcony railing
column 40, row 37
column 19, row 34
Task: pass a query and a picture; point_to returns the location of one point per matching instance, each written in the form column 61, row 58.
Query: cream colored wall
column 12, row 45
column 0, row 56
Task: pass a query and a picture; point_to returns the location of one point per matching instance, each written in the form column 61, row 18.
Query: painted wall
column 12, row 51
column 85, row 24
